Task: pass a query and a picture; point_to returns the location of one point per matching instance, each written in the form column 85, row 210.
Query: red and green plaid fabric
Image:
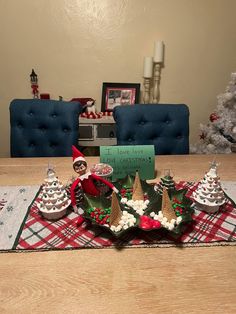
column 206, row 229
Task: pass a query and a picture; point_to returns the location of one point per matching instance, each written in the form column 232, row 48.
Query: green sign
column 128, row 159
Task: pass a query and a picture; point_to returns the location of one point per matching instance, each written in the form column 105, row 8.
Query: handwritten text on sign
column 127, row 159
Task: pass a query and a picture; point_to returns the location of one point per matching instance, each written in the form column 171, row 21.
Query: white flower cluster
column 163, row 220
column 127, row 221
column 139, row 206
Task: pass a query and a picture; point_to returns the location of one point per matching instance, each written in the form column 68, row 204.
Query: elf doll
column 86, row 180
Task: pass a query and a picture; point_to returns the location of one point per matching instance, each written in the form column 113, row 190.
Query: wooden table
column 134, row 280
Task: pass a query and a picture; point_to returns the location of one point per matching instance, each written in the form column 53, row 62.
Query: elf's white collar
column 85, row 176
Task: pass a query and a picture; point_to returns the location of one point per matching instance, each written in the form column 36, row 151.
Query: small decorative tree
column 166, row 181
column 209, row 195
column 54, row 199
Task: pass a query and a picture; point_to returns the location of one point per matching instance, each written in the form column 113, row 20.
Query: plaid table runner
column 37, row 233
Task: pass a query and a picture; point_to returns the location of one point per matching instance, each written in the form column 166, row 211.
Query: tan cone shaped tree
column 116, row 212
column 166, row 206
column 137, row 189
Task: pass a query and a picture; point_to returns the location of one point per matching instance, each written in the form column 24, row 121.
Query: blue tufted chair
column 43, row 128
column 166, row 126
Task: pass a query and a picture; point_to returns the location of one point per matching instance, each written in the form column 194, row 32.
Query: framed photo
column 119, row 94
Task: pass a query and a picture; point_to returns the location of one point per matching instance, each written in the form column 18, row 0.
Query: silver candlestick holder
column 156, row 82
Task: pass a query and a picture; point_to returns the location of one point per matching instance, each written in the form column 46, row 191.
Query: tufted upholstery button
column 130, row 140
column 65, row 130
column 179, row 137
column 31, row 113
column 54, row 115
column 142, row 122
column 167, row 121
column 32, row 144
column 20, row 126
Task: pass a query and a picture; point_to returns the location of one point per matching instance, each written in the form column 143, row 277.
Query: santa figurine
column 86, row 180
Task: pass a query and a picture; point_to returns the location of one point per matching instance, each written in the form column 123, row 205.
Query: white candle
column 148, row 67
column 158, row 51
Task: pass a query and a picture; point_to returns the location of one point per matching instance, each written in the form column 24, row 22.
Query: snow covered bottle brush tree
column 219, row 135
column 209, row 195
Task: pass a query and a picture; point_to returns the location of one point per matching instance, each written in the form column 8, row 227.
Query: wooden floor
column 134, row 280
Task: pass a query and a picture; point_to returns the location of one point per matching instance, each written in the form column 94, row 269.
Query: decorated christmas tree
column 165, row 182
column 219, row 135
column 53, row 197
column 209, row 195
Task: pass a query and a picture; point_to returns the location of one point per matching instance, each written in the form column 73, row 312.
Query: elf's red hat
column 77, row 155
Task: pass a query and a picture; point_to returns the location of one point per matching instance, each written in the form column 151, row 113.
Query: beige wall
column 74, row 46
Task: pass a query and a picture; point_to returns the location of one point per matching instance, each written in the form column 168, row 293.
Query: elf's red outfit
column 86, row 180
column 87, row 184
